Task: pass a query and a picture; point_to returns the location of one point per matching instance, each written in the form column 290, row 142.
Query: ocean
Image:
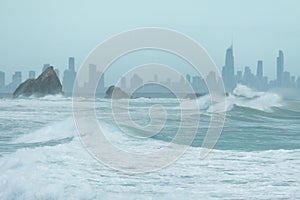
column 256, row 157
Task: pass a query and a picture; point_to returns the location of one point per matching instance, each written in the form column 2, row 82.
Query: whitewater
column 257, row 155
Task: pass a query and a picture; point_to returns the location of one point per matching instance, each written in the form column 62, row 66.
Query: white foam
column 246, row 97
column 53, row 131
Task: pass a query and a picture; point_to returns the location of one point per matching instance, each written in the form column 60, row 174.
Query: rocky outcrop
column 116, row 93
column 46, row 84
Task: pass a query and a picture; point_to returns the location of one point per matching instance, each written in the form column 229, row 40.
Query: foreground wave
column 257, row 156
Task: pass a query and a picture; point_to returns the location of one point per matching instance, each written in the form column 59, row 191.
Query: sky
column 34, row 32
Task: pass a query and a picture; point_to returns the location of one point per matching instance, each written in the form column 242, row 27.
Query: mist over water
column 257, row 155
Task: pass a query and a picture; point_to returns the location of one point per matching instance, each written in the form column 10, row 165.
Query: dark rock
column 46, row 84
column 116, row 93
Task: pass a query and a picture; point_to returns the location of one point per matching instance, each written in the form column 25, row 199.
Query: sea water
column 257, row 155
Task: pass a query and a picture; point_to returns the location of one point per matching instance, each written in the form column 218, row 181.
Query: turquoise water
column 257, row 155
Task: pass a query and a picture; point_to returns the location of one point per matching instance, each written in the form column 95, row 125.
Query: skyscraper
column 2, row 79
column 228, row 70
column 239, row 76
column 188, row 78
column 286, row 78
column 196, row 82
column 123, row 83
column 72, row 64
column 69, row 77
column 259, row 72
column 93, row 74
column 17, row 78
column 31, row 74
column 247, row 79
column 136, row 82
column 280, row 68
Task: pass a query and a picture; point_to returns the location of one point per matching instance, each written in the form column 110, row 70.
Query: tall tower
column 31, row 74
column 259, row 72
column 229, row 61
column 280, row 67
column 69, row 77
column 72, row 64
column 2, row 79
column 228, row 70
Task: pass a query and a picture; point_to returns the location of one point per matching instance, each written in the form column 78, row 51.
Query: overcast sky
column 34, row 32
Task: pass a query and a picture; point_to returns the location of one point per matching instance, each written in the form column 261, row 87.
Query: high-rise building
column 196, row 82
column 247, row 80
column 298, row 82
column 286, row 78
column 17, row 78
column 239, row 76
column 69, row 77
column 2, row 79
column 136, row 82
column 259, row 72
column 211, row 80
column 93, row 74
column 123, row 84
column 228, row 70
column 280, row 68
column 31, row 74
column 188, row 78
column 72, row 64
column 16, row 81
column 293, row 81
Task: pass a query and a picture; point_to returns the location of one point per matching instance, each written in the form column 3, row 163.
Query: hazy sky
column 34, row 32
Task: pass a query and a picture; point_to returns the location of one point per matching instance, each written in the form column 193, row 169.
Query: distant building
column 259, row 72
column 69, row 77
column 123, row 84
column 136, row 82
column 293, row 81
column 286, row 79
column 211, row 80
column 16, row 81
column 45, row 67
column 2, row 80
column 196, row 83
column 31, row 74
column 188, row 78
column 71, row 63
column 248, row 78
column 260, row 84
column 228, row 71
column 17, row 78
column 280, row 68
column 239, row 76
column 298, row 82
column 94, row 76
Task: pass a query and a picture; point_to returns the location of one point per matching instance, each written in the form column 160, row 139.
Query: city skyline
column 230, row 76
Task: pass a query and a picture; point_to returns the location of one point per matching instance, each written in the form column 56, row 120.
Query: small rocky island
column 46, row 84
column 114, row 92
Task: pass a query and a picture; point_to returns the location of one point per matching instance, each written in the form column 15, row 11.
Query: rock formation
column 46, row 84
column 116, row 93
